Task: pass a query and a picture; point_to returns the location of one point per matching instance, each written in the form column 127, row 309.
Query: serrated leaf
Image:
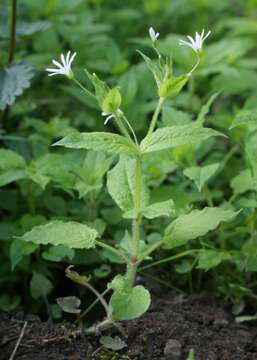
column 196, row 223
column 70, row 234
column 245, row 117
column 69, row 304
column 96, row 141
column 121, row 184
column 172, row 136
column 200, row 175
column 209, row 259
column 13, row 81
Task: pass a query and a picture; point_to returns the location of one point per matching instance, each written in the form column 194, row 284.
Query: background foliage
column 41, row 183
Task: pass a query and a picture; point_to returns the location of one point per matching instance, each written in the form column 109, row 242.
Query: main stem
column 136, row 224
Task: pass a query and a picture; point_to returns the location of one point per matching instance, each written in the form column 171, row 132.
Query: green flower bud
column 171, row 86
column 111, row 101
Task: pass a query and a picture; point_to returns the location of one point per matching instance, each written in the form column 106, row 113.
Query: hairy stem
column 136, row 224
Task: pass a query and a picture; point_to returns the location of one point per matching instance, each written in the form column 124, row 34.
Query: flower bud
column 111, row 101
column 171, row 86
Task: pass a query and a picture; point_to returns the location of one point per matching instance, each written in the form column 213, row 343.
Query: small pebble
column 173, row 349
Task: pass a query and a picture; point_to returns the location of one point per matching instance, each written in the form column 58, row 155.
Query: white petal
column 191, row 39
column 51, row 70
column 208, row 33
column 63, row 60
column 72, row 58
column 56, row 63
column 68, row 57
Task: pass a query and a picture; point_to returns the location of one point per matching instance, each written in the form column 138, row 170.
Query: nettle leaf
column 40, row 285
column 112, row 143
column 121, row 184
column 245, row 117
column 172, row 136
column 69, row 304
column 243, row 182
column 200, row 175
column 128, row 303
column 197, row 223
column 209, row 259
column 70, row 234
column 13, row 81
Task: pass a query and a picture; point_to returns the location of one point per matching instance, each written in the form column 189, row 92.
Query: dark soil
column 168, row 331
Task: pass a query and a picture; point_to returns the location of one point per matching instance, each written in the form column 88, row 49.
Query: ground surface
column 172, row 327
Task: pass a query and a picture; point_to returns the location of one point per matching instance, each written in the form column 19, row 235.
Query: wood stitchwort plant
column 127, row 186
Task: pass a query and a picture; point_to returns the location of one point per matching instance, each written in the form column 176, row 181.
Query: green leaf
column 197, row 223
column 121, row 184
column 163, row 208
column 245, row 117
column 128, row 303
column 7, row 303
column 96, row 141
column 19, row 249
column 205, row 109
column 200, row 175
column 40, row 285
column 13, row 81
column 243, row 182
column 69, row 304
column 208, row 259
column 114, row 344
column 101, row 89
column 58, row 253
column 11, row 160
column 11, row 176
column 172, row 136
column 155, row 70
column 70, row 234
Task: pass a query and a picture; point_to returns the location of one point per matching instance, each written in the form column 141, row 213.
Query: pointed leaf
column 172, row 136
column 70, row 234
column 121, row 184
column 196, row 223
column 200, row 175
column 112, row 143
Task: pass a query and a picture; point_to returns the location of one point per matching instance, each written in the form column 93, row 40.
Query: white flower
column 63, row 67
column 153, row 35
column 197, row 43
column 109, row 116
